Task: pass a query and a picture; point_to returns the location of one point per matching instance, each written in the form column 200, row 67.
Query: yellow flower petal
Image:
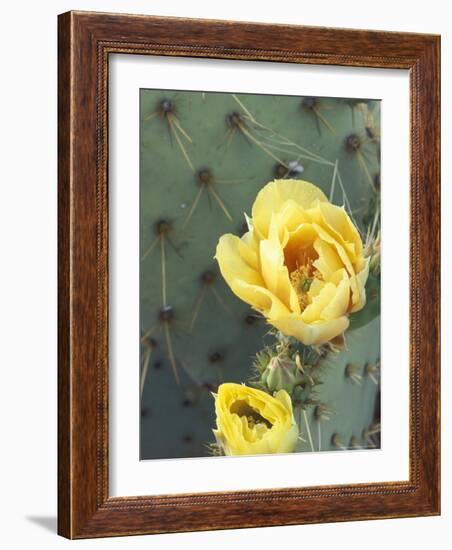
column 341, row 226
column 354, row 281
column 284, row 398
column 339, row 303
column 235, row 256
column 328, row 261
column 359, row 300
column 275, row 195
column 238, row 263
column 276, row 274
column 313, row 334
column 314, row 311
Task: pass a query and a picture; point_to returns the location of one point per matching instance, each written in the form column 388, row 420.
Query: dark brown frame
column 85, row 42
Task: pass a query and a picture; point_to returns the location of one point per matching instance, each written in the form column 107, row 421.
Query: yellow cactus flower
column 250, row 421
column 301, row 263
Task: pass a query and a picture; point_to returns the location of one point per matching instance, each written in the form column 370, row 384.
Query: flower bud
column 282, row 373
column 374, row 265
column 374, row 251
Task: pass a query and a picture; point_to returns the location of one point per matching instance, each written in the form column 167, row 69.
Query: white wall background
column 28, row 270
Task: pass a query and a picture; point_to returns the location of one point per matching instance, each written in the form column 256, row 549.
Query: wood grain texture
column 85, row 42
column 64, row 295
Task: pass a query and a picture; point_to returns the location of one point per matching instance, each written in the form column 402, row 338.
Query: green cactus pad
column 200, row 172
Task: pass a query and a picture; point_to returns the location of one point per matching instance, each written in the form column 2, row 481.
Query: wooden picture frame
column 86, row 40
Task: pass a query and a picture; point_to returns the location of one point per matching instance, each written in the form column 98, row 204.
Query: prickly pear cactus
column 204, row 157
column 346, row 414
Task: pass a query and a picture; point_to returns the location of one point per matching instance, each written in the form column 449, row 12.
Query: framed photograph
column 248, row 275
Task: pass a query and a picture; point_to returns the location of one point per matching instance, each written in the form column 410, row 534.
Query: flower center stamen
column 302, row 278
column 243, row 409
